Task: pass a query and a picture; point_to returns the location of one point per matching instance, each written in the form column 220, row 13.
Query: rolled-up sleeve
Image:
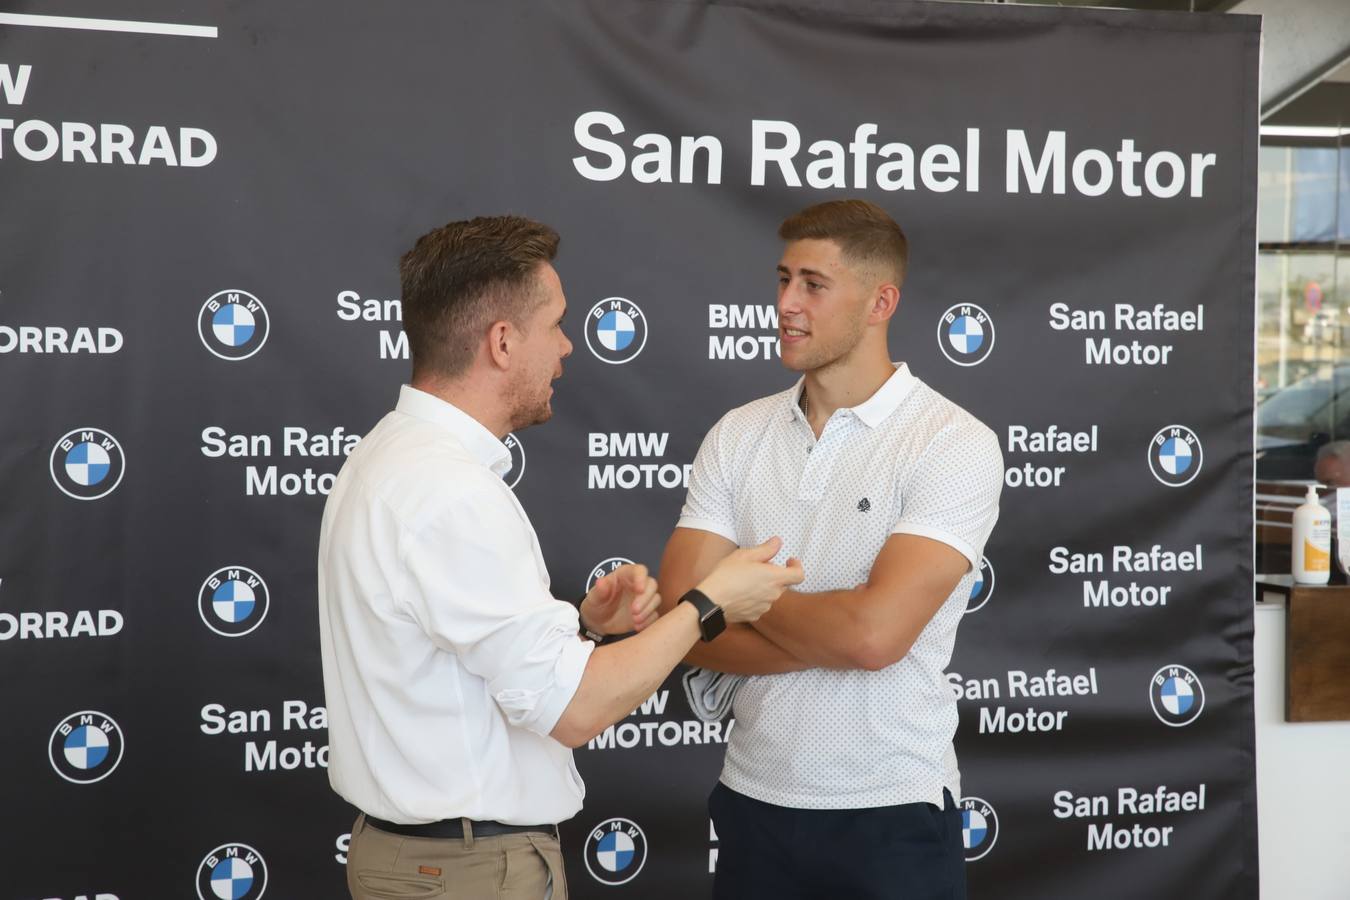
column 479, row 593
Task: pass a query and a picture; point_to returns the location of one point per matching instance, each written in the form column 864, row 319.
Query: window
column 1302, row 328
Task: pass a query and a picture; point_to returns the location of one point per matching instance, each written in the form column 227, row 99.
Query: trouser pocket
column 388, row 886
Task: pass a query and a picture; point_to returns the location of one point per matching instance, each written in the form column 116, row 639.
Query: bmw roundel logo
column 604, row 568
column 979, row 827
column 983, row 588
column 966, row 334
column 1177, row 696
column 233, row 324
column 517, row 470
column 1175, row 455
column 232, row 872
column 233, row 601
column 87, row 463
column 615, row 851
column 616, row 330
column 85, row 747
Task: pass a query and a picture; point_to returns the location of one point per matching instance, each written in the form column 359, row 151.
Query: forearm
column 620, row 676
column 690, row 557
column 874, row 625
column 827, row 629
column 740, row 650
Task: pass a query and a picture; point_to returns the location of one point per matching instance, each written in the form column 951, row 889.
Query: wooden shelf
column 1316, row 649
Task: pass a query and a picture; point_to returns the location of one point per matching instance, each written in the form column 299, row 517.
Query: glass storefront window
column 1302, row 332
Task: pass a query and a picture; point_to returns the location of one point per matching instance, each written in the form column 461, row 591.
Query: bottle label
column 1315, row 558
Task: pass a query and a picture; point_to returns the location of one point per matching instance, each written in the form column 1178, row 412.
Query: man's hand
column 624, row 600
column 745, row 582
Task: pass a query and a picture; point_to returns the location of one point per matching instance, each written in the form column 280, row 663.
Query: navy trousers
column 765, row 852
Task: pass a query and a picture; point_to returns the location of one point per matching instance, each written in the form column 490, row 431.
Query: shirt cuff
column 567, row 672
column 971, row 554
column 720, row 529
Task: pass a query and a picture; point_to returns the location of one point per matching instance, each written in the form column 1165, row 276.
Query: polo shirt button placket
column 811, row 484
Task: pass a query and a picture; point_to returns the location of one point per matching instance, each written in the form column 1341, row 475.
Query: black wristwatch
column 589, row 635
column 711, row 620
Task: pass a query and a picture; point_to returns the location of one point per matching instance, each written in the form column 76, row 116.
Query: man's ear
column 884, row 303
column 501, row 340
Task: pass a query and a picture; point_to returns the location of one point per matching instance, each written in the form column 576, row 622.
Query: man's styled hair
column 866, row 235
column 462, row 277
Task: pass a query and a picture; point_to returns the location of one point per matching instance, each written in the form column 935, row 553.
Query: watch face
column 712, row 624
column 711, row 619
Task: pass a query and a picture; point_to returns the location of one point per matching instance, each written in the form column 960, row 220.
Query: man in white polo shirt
column 455, row 683
column 840, row 778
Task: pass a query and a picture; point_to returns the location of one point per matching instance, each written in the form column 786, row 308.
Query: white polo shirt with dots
column 906, row 461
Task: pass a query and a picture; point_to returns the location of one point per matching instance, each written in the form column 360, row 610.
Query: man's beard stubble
column 529, row 405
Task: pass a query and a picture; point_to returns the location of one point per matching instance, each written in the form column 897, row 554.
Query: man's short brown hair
column 462, row 277
column 866, row 235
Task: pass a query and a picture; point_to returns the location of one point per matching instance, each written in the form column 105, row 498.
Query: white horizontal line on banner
column 1308, row 131
column 208, row 31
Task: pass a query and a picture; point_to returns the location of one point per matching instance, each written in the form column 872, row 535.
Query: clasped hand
column 622, row 601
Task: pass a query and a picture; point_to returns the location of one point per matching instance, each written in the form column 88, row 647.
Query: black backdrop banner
column 203, row 205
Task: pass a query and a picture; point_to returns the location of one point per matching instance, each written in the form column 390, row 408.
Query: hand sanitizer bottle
column 1312, row 541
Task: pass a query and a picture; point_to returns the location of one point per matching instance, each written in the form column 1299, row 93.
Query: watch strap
column 590, row 635
column 711, row 619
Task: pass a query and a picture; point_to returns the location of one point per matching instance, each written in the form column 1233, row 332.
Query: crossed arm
column 871, row 626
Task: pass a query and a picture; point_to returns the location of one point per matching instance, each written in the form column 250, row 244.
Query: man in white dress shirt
column 455, row 683
column 840, row 778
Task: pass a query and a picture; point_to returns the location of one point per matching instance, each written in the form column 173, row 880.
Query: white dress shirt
column 906, row 461
column 446, row 660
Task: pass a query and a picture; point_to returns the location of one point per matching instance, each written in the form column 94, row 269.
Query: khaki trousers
column 381, row 866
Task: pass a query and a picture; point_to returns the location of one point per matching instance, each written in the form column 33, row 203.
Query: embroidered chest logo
column 864, row 505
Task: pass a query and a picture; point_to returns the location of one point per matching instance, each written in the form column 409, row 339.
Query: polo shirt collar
column 482, row 444
column 876, row 408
